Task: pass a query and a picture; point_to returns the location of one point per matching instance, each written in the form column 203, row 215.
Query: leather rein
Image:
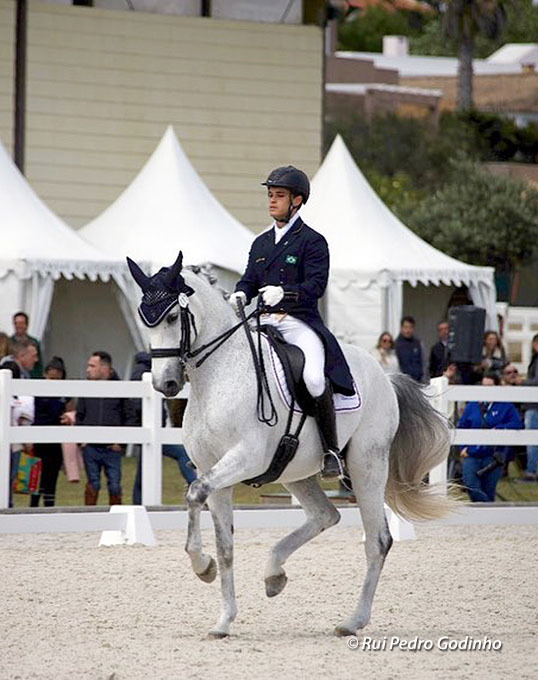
column 185, row 352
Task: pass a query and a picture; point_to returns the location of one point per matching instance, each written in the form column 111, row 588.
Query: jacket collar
column 287, row 240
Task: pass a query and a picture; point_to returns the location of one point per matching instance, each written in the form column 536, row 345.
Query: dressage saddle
column 292, row 360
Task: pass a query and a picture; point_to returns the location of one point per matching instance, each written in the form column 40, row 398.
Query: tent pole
column 20, row 83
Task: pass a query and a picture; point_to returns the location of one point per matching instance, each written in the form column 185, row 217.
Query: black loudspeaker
column 466, row 332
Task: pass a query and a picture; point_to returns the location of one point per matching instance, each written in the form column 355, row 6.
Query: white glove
column 272, row 295
column 233, row 299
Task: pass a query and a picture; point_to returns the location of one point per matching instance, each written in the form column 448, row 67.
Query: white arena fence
column 445, row 396
column 151, row 435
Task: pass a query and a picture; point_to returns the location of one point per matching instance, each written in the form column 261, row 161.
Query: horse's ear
column 137, row 274
column 175, row 271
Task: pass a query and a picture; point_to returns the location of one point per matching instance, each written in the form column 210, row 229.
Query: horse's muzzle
column 171, row 388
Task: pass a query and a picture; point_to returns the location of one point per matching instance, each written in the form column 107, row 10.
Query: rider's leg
column 298, row 333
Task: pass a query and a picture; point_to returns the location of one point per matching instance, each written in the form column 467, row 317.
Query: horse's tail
column 422, row 442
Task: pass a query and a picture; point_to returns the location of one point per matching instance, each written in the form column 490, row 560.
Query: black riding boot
column 333, row 462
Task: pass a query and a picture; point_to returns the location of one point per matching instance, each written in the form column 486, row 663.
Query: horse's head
column 164, row 310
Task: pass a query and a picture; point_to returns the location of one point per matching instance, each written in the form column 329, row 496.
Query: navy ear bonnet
column 161, row 292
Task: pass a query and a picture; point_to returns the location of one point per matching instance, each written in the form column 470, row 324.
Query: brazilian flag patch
column 291, row 259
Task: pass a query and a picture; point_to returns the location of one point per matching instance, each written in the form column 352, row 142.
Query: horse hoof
column 342, row 631
column 274, row 585
column 210, row 574
column 216, row 635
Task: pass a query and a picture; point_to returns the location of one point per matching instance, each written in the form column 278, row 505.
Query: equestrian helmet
column 291, row 178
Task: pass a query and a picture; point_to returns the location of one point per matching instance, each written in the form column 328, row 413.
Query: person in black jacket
column 409, row 350
column 50, row 411
column 439, row 351
column 103, row 411
column 289, row 266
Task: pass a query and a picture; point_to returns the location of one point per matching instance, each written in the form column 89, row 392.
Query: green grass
column 509, row 490
column 174, row 488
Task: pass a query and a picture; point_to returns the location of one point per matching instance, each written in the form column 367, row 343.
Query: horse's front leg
column 215, row 486
column 203, row 565
column 220, row 505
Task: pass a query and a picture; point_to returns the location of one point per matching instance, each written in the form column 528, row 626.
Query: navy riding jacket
column 299, row 263
column 409, row 353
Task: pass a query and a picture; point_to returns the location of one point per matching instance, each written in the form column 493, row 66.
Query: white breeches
column 298, row 333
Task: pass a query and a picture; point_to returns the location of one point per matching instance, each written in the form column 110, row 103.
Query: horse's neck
column 215, row 318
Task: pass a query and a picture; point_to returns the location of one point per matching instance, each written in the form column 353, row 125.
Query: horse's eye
column 172, row 318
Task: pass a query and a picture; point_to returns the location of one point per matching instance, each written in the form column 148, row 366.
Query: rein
column 259, row 368
column 184, row 352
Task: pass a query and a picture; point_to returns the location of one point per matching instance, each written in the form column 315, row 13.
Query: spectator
column 384, row 353
column 531, row 416
column 24, row 354
column 409, row 350
column 20, row 326
column 22, row 413
column 101, row 411
column 511, row 378
column 493, row 354
column 482, row 466
column 451, row 373
column 439, row 352
column 50, row 411
column 175, row 451
column 4, row 345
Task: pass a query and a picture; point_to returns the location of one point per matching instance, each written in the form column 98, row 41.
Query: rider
column 289, row 265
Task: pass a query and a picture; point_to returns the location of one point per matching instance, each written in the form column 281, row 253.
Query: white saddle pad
column 342, row 402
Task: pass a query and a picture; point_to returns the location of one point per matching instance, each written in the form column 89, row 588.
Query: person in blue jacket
column 289, row 265
column 482, row 466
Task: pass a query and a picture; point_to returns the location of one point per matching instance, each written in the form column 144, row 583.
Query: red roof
column 392, row 5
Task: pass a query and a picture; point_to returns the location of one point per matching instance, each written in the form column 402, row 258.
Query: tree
column 463, row 20
column 364, row 31
column 521, row 26
column 481, row 219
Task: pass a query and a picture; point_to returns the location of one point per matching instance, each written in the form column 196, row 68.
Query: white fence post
column 438, row 475
column 5, row 447
column 151, row 452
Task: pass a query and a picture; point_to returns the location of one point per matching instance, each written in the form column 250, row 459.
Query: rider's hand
column 272, row 295
column 233, row 299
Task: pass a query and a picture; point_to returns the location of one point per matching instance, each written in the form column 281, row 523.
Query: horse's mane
column 207, row 272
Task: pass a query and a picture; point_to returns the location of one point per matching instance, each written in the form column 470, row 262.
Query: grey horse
column 392, row 442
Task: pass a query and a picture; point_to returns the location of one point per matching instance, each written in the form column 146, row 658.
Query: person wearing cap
column 289, row 266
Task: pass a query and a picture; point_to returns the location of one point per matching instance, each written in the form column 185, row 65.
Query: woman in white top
column 385, row 354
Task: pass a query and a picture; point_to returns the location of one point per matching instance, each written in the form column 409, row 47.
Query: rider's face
column 279, row 202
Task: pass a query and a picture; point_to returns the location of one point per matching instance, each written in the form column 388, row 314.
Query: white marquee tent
column 374, row 256
column 167, row 208
column 39, row 251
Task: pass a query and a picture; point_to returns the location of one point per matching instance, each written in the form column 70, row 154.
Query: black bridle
column 185, row 352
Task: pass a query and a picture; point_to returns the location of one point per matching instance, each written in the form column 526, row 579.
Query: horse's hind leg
column 220, row 505
column 320, row 515
column 368, row 471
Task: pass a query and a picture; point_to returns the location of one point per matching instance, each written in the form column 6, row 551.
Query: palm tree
column 462, row 21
